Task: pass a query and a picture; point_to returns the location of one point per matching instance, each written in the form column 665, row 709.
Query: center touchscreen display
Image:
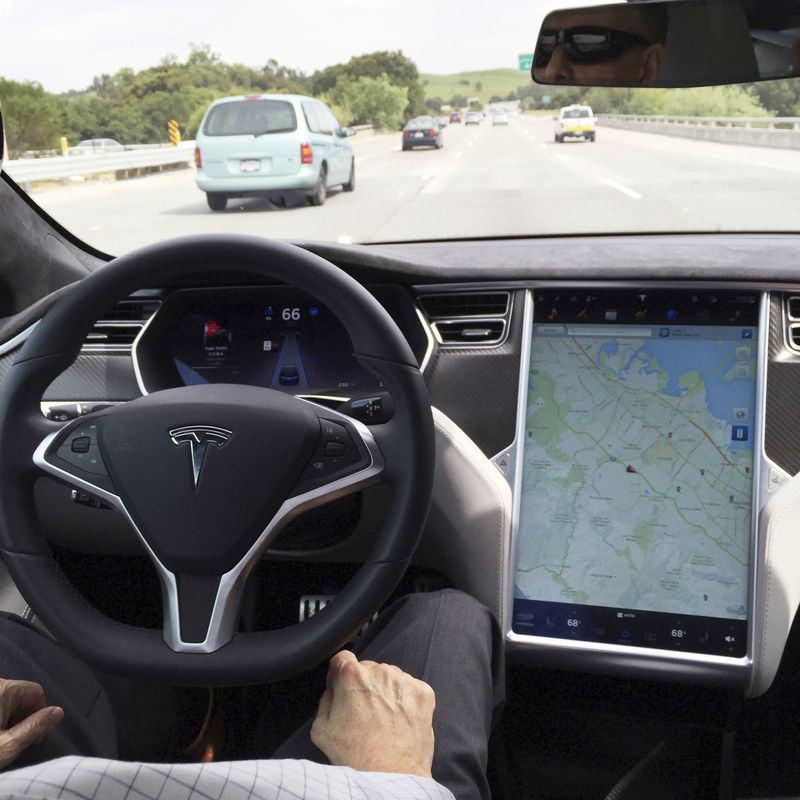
column 636, row 489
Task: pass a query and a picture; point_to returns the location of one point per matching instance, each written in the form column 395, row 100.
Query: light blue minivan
column 271, row 144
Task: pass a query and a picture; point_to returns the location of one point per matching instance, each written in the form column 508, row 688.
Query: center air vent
column 465, row 304
column 116, row 330
column 468, row 319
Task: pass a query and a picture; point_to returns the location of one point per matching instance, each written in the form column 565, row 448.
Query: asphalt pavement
column 486, row 181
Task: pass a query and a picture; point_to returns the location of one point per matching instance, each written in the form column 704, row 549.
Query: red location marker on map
column 631, row 469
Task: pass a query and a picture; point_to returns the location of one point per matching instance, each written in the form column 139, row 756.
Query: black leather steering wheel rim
column 406, row 441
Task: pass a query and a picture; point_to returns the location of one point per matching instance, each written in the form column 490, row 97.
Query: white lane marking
column 429, row 175
column 396, row 149
column 624, row 189
column 542, row 144
column 458, row 154
column 469, row 144
column 562, row 157
column 345, row 239
column 96, row 228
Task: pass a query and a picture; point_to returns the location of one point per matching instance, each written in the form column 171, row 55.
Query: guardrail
column 27, row 170
column 781, row 132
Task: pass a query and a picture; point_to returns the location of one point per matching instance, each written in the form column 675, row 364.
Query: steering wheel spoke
column 72, row 454
column 346, row 459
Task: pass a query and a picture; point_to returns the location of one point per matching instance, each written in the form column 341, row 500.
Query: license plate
column 250, row 165
column 418, row 135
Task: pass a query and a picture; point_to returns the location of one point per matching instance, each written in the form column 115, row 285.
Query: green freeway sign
column 525, row 61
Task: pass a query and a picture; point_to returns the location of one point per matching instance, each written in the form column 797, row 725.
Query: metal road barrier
column 781, row 132
column 27, row 170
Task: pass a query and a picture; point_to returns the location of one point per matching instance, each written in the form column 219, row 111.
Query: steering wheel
column 208, row 475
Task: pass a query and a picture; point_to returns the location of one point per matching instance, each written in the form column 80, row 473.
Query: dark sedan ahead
column 422, row 132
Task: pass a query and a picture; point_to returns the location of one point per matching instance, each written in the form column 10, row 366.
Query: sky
column 64, row 45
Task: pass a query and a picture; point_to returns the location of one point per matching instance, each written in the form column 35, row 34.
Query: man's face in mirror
column 602, row 46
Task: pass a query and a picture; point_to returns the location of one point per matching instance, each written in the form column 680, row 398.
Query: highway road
column 486, row 181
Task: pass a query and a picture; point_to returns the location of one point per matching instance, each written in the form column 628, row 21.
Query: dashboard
column 621, row 450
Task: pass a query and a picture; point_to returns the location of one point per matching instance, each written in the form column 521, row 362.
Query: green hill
column 493, row 82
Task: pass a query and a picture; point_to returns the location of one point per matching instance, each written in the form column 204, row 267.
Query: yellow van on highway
column 577, row 121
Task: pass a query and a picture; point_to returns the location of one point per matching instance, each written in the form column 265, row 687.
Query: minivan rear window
column 253, row 117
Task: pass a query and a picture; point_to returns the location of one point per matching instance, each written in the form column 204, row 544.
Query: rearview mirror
column 668, row 43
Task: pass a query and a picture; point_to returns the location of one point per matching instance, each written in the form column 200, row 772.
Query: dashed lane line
column 624, row 189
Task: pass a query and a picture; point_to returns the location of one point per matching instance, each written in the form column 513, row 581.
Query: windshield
column 351, row 123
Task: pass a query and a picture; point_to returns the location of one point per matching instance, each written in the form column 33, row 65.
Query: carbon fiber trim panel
column 477, row 388
column 782, row 416
column 775, row 327
column 6, row 362
column 96, row 377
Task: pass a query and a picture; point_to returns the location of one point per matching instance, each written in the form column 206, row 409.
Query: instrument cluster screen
column 277, row 338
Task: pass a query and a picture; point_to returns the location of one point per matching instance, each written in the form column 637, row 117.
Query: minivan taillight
column 306, row 154
column 198, row 159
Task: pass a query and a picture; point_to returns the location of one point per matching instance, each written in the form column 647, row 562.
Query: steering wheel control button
column 80, row 444
column 77, row 447
column 335, row 455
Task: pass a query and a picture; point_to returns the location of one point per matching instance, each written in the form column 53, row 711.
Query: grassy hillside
column 493, row 82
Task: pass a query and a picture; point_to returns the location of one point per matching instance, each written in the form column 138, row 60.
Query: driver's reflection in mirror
column 604, row 46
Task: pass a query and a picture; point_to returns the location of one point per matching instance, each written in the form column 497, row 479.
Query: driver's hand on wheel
column 25, row 718
column 375, row 718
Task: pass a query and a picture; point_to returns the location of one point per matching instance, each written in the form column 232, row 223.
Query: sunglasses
column 586, row 44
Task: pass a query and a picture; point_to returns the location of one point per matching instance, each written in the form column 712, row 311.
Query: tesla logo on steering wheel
column 199, row 437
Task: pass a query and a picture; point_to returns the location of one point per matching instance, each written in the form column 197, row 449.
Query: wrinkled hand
column 25, row 718
column 375, row 718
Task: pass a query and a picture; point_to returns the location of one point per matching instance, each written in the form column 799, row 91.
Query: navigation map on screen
column 637, row 477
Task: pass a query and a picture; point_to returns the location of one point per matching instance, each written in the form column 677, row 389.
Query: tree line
column 381, row 88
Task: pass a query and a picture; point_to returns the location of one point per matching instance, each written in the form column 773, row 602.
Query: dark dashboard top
column 757, row 258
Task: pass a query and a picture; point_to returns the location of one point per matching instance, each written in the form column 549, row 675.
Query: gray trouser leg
column 88, row 727
column 449, row 640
